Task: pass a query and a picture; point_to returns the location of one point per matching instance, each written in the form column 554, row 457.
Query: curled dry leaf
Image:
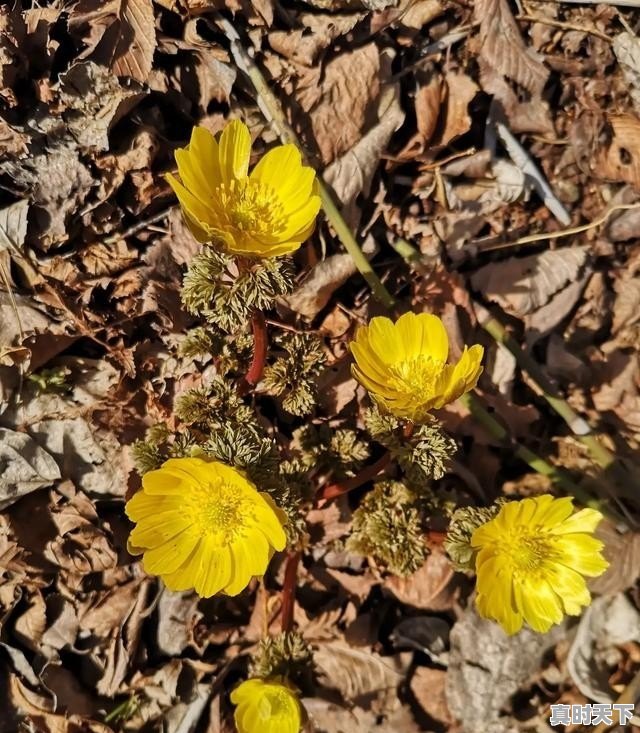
column 620, row 159
column 502, row 46
column 606, row 624
column 428, row 686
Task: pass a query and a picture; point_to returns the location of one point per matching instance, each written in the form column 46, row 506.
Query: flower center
column 219, row 510
column 528, row 551
column 278, row 704
column 251, row 207
column 417, row 376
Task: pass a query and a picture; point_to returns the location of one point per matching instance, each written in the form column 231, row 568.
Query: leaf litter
column 458, row 130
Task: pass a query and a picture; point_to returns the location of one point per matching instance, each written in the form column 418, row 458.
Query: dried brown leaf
column 356, row 672
column 339, row 98
column 503, row 48
column 25, row 466
column 430, row 587
column 119, row 34
column 428, row 686
column 521, row 285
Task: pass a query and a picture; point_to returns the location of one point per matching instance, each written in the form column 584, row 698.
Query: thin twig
column 565, row 26
column 138, row 226
column 532, row 238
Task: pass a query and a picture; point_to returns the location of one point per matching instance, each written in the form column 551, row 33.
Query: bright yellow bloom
column 404, row 365
column 266, row 706
column 531, row 559
column 204, row 525
column 265, row 214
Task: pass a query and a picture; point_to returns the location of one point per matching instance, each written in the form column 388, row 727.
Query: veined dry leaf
column 428, row 105
column 503, row 47
column 12, row 141
column 356, row 672
column 521, row 285
column 327, row 717
column 319, row 285
column 25, row 466
column 339, row 97
column 319, row 30
column 13, row 226
column 119, row 34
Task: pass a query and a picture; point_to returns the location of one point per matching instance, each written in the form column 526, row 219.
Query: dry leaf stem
column 272, row 110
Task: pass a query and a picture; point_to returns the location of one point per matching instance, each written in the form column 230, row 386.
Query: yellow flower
column 404, row 365
column 531, row 559
column 267, row 706
column 265, row 214
column 204, row 525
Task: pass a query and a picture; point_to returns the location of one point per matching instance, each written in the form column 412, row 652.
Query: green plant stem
column 272, row 110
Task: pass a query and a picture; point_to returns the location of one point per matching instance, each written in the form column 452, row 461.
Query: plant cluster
column 232, row 486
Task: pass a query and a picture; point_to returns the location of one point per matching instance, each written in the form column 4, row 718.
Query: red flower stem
column 256, row 369
column 368, row 472
column 331, row 491
column 289, row 591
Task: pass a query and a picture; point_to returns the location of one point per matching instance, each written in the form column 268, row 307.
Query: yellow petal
column 582, row 553
column 539, row 604
column 143, row 505
column 557, row 511
column 193, row 206
column 159, row 528
column 240, row 572
column 214, row 569
column 280, row 168
column 586, row 520
column 465, row 374
column 167, row 558
column 205, row 157
column 234, row 151
column 425, row 334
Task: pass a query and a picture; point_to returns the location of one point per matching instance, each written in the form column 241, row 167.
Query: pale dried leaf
column 622, row 550
column 319, row 285
column 13, row 225
column 626, row 47
column 620, row 159
column 428, row 686
column 25, row 466
column 605, row 624
column 521, row 285
column 355, row 672
column 351, row 174
column 95, row 100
